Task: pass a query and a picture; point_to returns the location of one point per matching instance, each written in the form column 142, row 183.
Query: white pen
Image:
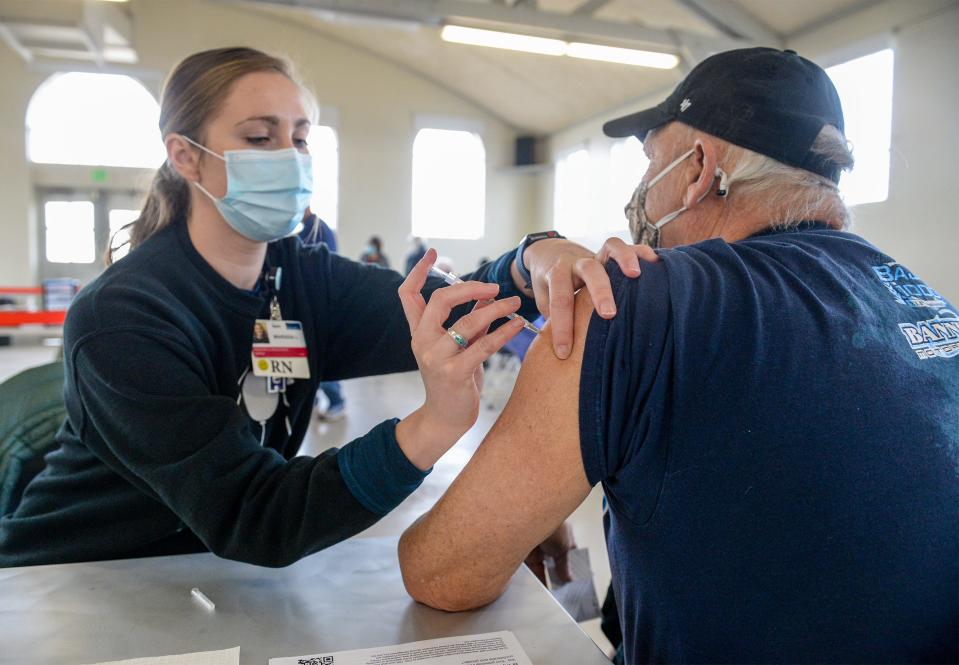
column 201, row 597
column 451, row 278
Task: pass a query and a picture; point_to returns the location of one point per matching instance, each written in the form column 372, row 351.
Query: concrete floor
column 373, row 400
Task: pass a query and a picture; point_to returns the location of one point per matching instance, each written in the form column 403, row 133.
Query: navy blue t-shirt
column 776, row 426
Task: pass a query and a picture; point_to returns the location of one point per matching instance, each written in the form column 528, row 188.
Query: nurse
column 191, row 364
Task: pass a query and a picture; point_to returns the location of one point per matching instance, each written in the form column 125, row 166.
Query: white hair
column 785, row 194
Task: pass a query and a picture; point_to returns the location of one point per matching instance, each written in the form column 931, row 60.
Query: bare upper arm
column 523, row 481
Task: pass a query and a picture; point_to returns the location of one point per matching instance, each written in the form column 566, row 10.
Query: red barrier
column 45, row 318
column 21, row 290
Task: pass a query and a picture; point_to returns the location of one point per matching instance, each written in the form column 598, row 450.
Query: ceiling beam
column 590, row 7
column 7, row 36
column 437, row 12
column 731, row 19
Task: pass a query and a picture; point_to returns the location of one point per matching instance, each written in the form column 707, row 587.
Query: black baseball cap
column 770, row 101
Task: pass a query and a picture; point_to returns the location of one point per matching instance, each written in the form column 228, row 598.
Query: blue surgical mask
column 267, row 191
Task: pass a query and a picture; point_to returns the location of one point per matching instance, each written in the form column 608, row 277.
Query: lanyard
column 273, row 277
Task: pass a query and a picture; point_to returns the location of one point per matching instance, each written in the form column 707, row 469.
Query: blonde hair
column 193, row 93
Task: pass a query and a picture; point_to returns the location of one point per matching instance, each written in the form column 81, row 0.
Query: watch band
column 526, row 242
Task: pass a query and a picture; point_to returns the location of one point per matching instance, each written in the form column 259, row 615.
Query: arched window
column 94, row 119
column 449, row 184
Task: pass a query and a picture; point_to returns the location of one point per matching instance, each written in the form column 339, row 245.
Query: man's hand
column 559, row 268
column 556, row 547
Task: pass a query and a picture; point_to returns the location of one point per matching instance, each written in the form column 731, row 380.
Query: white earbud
column 723, row 182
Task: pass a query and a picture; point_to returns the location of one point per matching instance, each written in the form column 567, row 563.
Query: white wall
column 918, row 223
column 376, row 102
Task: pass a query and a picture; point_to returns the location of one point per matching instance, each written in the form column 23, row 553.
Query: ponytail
column 167, row 201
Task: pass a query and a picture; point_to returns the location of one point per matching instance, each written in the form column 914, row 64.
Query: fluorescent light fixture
column 504, row 40
column 625, row 56
column 545, row 46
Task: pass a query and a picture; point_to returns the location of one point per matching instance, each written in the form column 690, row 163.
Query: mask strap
column 209, row 195
column 722, row 190
column 203, row 147
column 659, row 176
column 670, row 217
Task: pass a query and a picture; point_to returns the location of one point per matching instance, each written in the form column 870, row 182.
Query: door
column 75, row 227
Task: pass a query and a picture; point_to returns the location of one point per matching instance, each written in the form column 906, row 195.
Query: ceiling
column 94, row 32
column 541, row 94
column 533, row 94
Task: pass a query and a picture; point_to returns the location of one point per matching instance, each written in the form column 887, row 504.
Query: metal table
column 347, row 597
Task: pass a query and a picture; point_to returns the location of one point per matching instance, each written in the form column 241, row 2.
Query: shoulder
column 134, row 292
column 715, row 278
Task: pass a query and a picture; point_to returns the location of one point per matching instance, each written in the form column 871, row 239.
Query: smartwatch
column 526, row 242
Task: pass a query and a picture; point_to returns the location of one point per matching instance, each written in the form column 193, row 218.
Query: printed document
column 500, row 648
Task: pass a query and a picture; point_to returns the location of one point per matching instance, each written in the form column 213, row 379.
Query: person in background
column 417, row 250
column 773, row 414
column 315, row 231
column 373, row 253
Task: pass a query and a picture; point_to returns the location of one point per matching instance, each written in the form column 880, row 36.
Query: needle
column 451, row 279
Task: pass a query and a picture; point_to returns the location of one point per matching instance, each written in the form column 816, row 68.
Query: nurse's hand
column 452, row 375
column 560, row 267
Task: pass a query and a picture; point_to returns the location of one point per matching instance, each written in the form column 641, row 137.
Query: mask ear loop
column 207, row 150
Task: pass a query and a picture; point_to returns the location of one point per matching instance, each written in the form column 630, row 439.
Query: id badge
column 279, row 350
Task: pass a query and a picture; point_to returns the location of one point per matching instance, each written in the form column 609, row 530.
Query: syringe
column 451, row 278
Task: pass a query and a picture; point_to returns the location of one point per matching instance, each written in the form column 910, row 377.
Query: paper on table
column 224, row 657
column 500, row 648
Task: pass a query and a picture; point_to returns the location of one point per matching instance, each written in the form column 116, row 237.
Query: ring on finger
column 459, row 339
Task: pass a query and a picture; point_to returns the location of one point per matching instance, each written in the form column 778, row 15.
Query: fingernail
column 607, row 309
column 563, row 351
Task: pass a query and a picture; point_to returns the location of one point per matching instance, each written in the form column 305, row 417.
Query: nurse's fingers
column 561, row 298
column 411, row 290
column 626, row 256
column 444, row 299
column 596, row 279
column 487, row 345
column 475, row 324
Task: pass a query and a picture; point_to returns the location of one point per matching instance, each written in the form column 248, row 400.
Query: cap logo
column 685, row 104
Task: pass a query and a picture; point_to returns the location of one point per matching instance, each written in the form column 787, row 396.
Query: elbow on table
column 447, row 590
column 449, row 594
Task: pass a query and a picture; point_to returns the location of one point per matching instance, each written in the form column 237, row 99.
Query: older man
column 774, row 413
